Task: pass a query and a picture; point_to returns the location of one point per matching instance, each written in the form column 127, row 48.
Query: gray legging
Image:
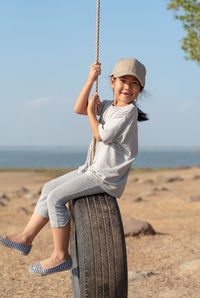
column 57, row 192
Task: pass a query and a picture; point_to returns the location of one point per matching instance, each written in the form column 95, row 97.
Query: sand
column 172, row 255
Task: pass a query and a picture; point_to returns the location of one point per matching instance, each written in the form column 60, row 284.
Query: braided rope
column 93, row 146
column 97, row 40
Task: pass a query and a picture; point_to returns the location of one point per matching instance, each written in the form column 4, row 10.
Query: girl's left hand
column 93, row 101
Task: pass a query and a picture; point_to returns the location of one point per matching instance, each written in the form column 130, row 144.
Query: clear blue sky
column 47, row 47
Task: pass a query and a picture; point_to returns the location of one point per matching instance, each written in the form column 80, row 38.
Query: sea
column 72, row 157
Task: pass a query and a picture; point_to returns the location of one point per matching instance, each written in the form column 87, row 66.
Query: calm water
column 60, row 157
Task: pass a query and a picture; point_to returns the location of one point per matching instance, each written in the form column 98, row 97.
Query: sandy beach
column 167, row 263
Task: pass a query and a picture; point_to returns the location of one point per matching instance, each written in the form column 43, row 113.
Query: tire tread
column 100, row 248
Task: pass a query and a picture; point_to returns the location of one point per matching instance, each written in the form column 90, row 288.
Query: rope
column 97, row 40
column 93, row 146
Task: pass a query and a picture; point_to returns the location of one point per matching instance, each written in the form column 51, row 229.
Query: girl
column 116, row 148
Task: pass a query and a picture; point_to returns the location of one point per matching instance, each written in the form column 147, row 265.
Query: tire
column 97, row 247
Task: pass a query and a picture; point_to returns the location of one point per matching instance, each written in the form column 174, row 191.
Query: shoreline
column 58, row 169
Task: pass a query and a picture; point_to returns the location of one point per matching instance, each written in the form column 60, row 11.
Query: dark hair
column 142, row 116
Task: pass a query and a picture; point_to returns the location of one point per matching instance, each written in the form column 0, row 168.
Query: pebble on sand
column 193, row 198
column 135, row 227
column 136, row 199
column 2, row 204
column 160, row 188
column 3, row 196
column 191, row 265
column 21, row 191
column 30, row 195
column 22, row 209
column 146, row 181
column 134, row 275
column 149, row 193
column 161, row 178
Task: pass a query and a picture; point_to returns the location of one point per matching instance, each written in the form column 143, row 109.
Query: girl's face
column 126, row 89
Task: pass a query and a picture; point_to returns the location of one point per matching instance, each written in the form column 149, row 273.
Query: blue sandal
column 24, row 249
column 37, row 268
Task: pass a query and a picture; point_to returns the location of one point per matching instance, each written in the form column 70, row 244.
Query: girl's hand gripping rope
column 82, row 100
column 92, row 103
column 95, row 71
column 94, row 123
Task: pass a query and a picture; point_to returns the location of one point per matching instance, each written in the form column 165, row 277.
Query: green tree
column 188, row 12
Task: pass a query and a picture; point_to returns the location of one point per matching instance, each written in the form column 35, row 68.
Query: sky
column 46, row 51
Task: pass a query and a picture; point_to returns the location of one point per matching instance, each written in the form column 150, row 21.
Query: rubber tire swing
column 97, row 242
column 97, row 247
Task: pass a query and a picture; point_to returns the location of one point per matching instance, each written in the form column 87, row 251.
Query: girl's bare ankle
column 60, row 255
column 25, row 239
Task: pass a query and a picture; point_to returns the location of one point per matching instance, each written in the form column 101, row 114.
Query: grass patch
column 56, row 172
column 46, row 171
column 147, row 170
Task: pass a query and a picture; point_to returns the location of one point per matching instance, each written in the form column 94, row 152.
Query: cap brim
column 126, row 73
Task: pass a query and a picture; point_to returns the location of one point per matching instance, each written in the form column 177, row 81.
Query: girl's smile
column 126, row 89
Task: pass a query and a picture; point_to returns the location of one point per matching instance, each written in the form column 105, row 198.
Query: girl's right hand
column 95, row 71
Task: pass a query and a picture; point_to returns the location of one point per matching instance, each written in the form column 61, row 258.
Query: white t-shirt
column 118, row 148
